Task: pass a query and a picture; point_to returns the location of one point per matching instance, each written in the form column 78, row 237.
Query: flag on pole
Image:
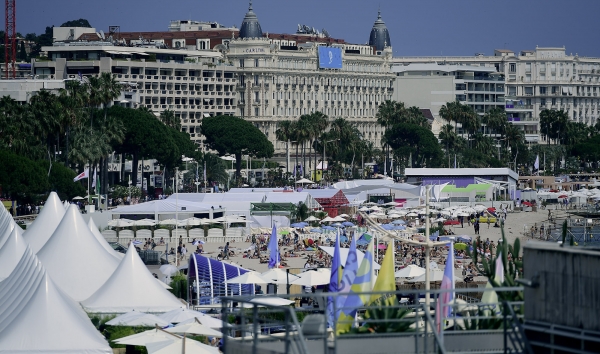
column 363, row 283
column 94, row 180
column 348, row 276
column 82, row 175
column 454, row 160
column 536, row 164
column 204, row 170
column 386, row 280
column 273, row 249
column 334, row 280
column 443, row 307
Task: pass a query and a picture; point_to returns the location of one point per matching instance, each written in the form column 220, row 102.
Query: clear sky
column 417, row 27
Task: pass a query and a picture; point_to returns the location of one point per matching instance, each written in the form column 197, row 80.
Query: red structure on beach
column 330, row 199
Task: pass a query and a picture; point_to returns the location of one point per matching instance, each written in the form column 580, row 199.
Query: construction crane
column 10, row 39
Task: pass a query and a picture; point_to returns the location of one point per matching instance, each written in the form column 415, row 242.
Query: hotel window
column 513, row 67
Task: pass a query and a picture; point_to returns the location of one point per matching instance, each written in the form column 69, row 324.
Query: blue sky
column 417, row 27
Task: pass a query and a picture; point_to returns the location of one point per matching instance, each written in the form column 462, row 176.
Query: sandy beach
column 516, row 223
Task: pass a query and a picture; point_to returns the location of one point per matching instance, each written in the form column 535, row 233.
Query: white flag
column 94, row 180
column 536, row 164
column 82, row 175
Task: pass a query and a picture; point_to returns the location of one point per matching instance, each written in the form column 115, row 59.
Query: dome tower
column 380, row 37
column 250, row 27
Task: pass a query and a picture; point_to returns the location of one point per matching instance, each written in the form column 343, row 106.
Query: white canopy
column 278, row 276
column 312, row 278
column 164, row 206
column 131, row 288
column 11, row 252
column 177, row 347
column 251, row 277
column 410, row 271
column 434, row 275
column 136, row 318
column 75, row 259
column 183, row 316
column 195, row 328
column 38, row 233
column 149, row 336
column 344, row 255
column 102, row 241
column 36, row 317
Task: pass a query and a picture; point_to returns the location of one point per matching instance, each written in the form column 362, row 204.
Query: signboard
column 330, row 57
column 380, row 198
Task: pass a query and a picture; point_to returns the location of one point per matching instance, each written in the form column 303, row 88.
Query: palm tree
column 318, row 124
column 284, row 133
column 452, row 112
column 169, row 119
column 72, row 100
column 496, row 120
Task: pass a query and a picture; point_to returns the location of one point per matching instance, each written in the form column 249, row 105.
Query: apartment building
column 430, row 86
column 544, row 78
column 193, row 84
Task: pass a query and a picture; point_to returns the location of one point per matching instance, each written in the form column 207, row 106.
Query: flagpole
column 427, row 251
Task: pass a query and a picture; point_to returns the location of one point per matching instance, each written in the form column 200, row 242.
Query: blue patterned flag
column 273, row 249
column 334, row 280
column 348, row 277
column 443, row 306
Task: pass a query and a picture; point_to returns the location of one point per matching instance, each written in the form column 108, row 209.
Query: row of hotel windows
column 309, row 64
column 331, row 112
column 256, row 80
column 324, row 96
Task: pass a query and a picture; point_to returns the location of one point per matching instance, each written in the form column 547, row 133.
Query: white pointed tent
column 47, row 321
column 45, row 223
column 11, row 252
column 131, row 288
column 102, row 240
column 75, row 260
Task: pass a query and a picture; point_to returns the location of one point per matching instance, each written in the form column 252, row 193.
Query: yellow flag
column 386, row 280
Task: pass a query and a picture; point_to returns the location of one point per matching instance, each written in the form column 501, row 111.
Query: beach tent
column 102, row 240
column 131, row 288
column 36, row 317
column 12, row 251
column 38, row 233
column 74, row 258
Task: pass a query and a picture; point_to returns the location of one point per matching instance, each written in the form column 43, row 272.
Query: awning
column 206, row 115
column 570, row 91
column 111, row 52
column 142, row 53
column 565, row 90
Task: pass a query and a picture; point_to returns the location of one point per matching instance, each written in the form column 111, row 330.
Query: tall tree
column 233, row 135
column 169, row 119
column 284, row 134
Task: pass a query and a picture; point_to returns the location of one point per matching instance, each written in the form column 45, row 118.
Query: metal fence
column 407, row 323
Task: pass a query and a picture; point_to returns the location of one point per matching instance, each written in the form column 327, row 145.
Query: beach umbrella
column 327, row 219
column 434, row 275
column 338, row 219
column 410, row 271
column 304, row 181
column 78, row 198
column 168, row 269
column 299, row 224
column 311, row 218
column 271, row 301
column 398, row 222
column 278, row 276
column 196, row 328
column 172, row 222
column 136, row 318
column 150, row 336
column 317, row 230
column 337, row 224
column 347, row 223
column 178, row 346
column 183, row 315
column 247, row 278
column 144, row 222
column 328, row 228
column 412, row 214
column 120, row 223
column 312, row 278
column 388, row 227
column 364, row 208
column 344, row 216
